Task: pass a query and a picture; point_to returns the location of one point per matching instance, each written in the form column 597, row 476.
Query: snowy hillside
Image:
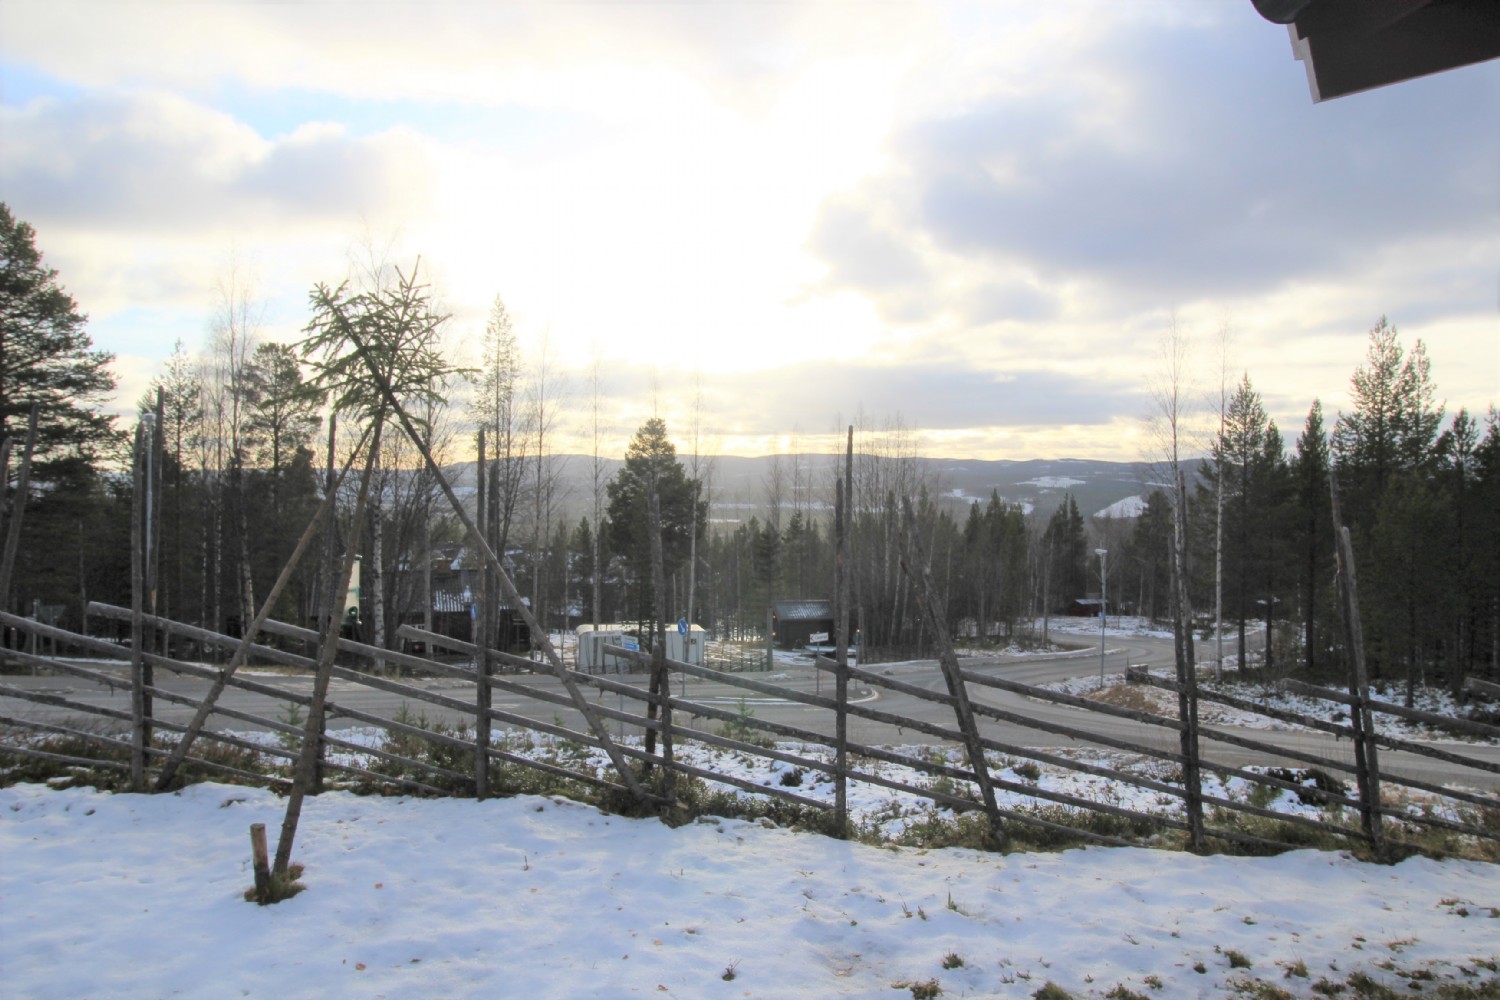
column 140, row 896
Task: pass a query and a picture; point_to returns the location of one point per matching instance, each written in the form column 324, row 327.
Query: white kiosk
column 592, row 659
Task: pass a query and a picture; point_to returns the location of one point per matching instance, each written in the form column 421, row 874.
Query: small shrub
column 1029, row 770
column 928, row 990
column 953, row 960
column 741, row 729
column 1262, row 796
column 292, row 714
column 730, row 971
column 1052, row 991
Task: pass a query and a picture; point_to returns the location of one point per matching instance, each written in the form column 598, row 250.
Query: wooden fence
column 99, row 734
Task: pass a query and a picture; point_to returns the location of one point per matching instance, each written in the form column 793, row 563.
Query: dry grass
column 1137, row 698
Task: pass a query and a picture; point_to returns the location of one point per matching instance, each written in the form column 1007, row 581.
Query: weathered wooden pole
column 306, row 775
column 260, row 861
column 1187, row 676
column 154, row 518
column 140, row 668
column 507, row 586
column 661, row 684
column 841, row 654
column 242, row 652
column 1366, row 760
column 770, row 638
column 841, row 679
column 914, row 564
column 482, row 637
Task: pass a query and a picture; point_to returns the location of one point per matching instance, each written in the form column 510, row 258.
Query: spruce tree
column 651, row 465
column 1314, row 527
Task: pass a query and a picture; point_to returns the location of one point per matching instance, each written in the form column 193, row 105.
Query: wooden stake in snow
column 261, row 860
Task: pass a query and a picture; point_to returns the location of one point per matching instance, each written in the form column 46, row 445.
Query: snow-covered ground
column 140, row 896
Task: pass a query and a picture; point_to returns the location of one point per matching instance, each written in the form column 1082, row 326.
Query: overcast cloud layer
column 976, row 219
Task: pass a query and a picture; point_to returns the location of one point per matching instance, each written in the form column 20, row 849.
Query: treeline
column 1420, row 493
column 248, row 434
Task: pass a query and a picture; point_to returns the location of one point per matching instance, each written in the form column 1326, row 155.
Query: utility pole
column 1103, row 608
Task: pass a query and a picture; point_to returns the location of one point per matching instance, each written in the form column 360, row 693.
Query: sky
column 973, row 221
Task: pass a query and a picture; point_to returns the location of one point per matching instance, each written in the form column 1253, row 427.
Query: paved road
column 799, row 676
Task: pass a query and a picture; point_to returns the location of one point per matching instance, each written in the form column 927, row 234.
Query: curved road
column 799, row 675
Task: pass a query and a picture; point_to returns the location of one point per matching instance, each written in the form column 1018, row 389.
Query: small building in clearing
column 795, row 623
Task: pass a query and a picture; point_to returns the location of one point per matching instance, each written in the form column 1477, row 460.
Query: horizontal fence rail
column 439, row 740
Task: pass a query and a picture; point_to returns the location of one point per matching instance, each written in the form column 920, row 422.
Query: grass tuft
column 282, row 887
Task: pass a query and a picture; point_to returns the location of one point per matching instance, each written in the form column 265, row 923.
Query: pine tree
column 72, row 539
column 1392, row 426
column 47, row 357
column 1386, row 443
column 284, row 410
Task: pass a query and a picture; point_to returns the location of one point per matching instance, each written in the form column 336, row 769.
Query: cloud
column 863, row 253
column 150, row 162
column 624, row 61
column 1005, row 299
column 935, row 397
column 1179, row 162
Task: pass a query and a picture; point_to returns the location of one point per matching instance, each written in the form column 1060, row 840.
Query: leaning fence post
column 242, row 651
column 140, row 668
column 336, row 581
column 661, row 684
column 307, row 773
column 482, row 629
column 1187, row 677
column 841, row 672
column 914, row 561
column 1366, row 762
column 507, row 586
column 154, row 519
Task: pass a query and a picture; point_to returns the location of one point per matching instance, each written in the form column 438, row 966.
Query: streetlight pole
column 1103, row 608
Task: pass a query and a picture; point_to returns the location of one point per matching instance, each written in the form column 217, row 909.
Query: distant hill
column 738, row 484
column 1103, row 489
